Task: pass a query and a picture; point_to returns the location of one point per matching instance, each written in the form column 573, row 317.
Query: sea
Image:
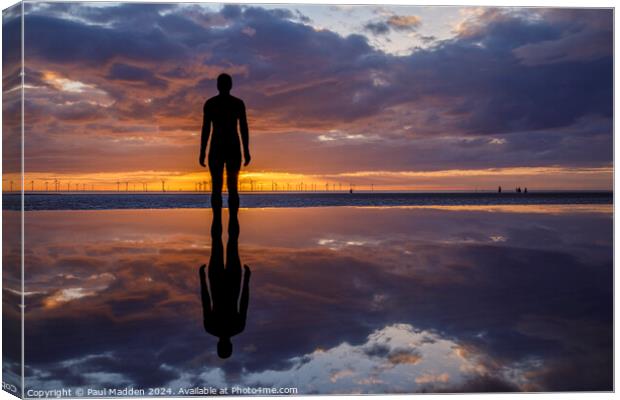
column 141, row 200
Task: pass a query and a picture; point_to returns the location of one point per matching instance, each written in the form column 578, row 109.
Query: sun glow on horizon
column 537, row 178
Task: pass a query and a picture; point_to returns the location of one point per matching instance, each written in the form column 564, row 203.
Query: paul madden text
column 161, row 391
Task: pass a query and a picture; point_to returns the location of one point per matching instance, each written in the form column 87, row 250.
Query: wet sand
column 342, row 300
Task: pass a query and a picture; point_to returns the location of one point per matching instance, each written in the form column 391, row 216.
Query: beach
column 342, row 299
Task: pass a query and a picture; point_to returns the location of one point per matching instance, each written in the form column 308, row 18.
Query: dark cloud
column 377, row 28
column 130, row 73
column 11, row 40
column 131, row 16
column 529, row 79
column 586, row 36
column 231, row 11
column 65, row 42
column 11, row 95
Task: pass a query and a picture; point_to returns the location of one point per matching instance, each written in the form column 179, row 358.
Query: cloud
column 538, row 80
column 349, row 368
column 406, row 23
column 377, row 28
column 428, row 378
column 132, row 74
column 403, row 356
column 589, row 39
column 78, row 42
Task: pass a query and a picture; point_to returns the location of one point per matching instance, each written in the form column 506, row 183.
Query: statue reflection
column 225, row 298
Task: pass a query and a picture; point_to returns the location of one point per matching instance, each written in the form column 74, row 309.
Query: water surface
column 129, row 200
column 342, row 299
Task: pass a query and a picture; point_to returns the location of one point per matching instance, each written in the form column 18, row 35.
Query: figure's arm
column 245, row 296
column 204, row 137
column 245, row 135
column 204, row 295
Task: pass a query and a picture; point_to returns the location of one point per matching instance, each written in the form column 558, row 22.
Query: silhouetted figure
column 221, row 116
column 221, row 315
column 525, row 190
column 519, row 190
column 499, row 189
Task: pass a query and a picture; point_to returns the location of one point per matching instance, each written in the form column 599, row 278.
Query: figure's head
column 224, row 83
column 224, row 347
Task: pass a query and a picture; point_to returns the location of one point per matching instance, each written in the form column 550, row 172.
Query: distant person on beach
column 221, row 116
column 225, row 305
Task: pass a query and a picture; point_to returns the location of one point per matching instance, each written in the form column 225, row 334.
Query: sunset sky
column 426, row 98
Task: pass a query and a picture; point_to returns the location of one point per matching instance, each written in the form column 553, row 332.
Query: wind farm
column 126, row 186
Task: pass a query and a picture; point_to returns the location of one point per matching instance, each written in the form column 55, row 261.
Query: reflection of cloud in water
column 89, row 286
column 339, row 243
column 397, row 358
column 394, row 300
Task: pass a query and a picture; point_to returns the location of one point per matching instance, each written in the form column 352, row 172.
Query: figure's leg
column 217, row 181
column 232, row 181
